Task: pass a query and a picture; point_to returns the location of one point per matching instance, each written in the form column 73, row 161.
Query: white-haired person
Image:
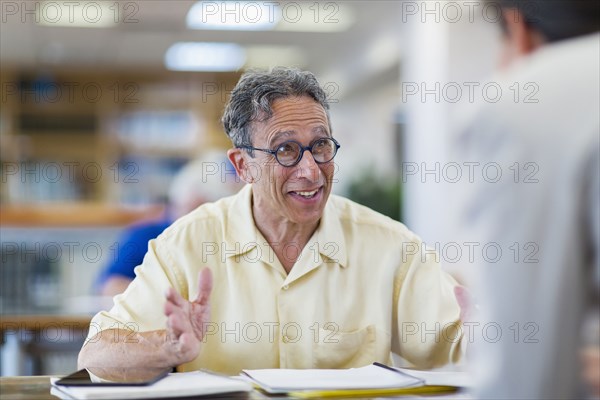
column 206, row 179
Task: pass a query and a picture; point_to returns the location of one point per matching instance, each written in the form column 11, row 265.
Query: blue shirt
column 131, row 249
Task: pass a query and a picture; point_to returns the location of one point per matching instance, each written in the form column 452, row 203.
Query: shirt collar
column 330, row 234
column 242, row 235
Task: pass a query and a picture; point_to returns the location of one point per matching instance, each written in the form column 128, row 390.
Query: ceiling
column 369, row 47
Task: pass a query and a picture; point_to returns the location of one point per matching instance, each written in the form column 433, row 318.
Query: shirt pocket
column 339, row 349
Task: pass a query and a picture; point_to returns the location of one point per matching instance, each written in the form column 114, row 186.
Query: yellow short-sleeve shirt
column 362, row 287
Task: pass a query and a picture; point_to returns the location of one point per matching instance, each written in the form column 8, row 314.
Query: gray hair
column 253, row 95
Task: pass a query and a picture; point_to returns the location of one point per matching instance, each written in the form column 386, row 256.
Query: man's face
column 294, row 194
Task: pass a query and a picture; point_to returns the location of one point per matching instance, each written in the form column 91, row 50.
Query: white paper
column 369, row 377
column 442, row 378
column 181, row 384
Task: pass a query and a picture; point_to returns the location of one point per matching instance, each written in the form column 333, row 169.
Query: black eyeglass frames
column 290, row 153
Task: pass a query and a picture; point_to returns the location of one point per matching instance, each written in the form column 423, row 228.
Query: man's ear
column 239, row 162
column 520, row 38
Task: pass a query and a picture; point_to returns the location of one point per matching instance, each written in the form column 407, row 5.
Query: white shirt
column 545, row 217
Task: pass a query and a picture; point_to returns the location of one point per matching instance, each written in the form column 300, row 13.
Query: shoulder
column 547, row 109
column 560, row 77
column 362, row 220
column 206, row 221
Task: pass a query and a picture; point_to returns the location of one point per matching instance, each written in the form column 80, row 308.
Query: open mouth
column 306, row 194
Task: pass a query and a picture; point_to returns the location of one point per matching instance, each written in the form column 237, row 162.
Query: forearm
column 120, row 348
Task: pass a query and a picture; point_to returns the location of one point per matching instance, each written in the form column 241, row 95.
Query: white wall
column 450, row 54
column 363, row 122
column 443, row 53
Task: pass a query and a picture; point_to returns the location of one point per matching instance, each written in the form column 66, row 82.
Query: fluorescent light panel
column 234, row 15
column 271, row 15
column 77, row 14
column 197, row 56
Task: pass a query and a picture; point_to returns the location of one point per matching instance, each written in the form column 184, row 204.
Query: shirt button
column 286, row 287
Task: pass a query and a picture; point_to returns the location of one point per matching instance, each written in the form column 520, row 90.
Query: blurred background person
column 208, row 178
column 547, row 222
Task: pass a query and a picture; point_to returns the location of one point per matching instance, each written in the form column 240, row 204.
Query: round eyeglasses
column 291, row 152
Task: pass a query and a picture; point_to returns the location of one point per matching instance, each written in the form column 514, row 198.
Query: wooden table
column 38, row 335
column 25, row 387
column 38, row 388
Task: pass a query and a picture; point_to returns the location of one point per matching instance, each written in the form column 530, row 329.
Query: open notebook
column 183, row 384
column 371, row 380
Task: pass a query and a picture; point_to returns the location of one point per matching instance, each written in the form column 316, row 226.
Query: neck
column 286, row 238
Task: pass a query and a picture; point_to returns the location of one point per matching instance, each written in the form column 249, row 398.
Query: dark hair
column 556, row 19
column 256, row 90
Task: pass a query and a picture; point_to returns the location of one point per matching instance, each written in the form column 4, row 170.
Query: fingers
column 177, row 324
column 174, row 297
column 189, row 346
column 185, row 345
column 171, row 308
column 465, row 300
column 175, row 311
column 590, row 358
column 185, row 318
column 205, row 284
column 462, row 296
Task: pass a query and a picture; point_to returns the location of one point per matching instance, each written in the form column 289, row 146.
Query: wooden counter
column 40, row 322
column 75, row 215
column 26, row 388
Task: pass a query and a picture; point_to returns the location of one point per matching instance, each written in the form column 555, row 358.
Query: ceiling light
column 78, row 14
column 195, row 56
column 270, row 15
column 316, row 17
column 235, row 15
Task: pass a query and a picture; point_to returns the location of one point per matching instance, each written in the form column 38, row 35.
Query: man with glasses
column 282, row 275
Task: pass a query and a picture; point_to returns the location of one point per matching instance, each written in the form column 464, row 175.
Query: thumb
column 205, row 283
column 465, row 301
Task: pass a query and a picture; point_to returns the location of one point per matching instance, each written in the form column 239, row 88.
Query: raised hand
column 466, row 303
column 186, row 321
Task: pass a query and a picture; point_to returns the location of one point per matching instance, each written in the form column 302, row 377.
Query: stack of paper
column 292, row 380
column 373, row 380
column 184, row 384
column 441, row 378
